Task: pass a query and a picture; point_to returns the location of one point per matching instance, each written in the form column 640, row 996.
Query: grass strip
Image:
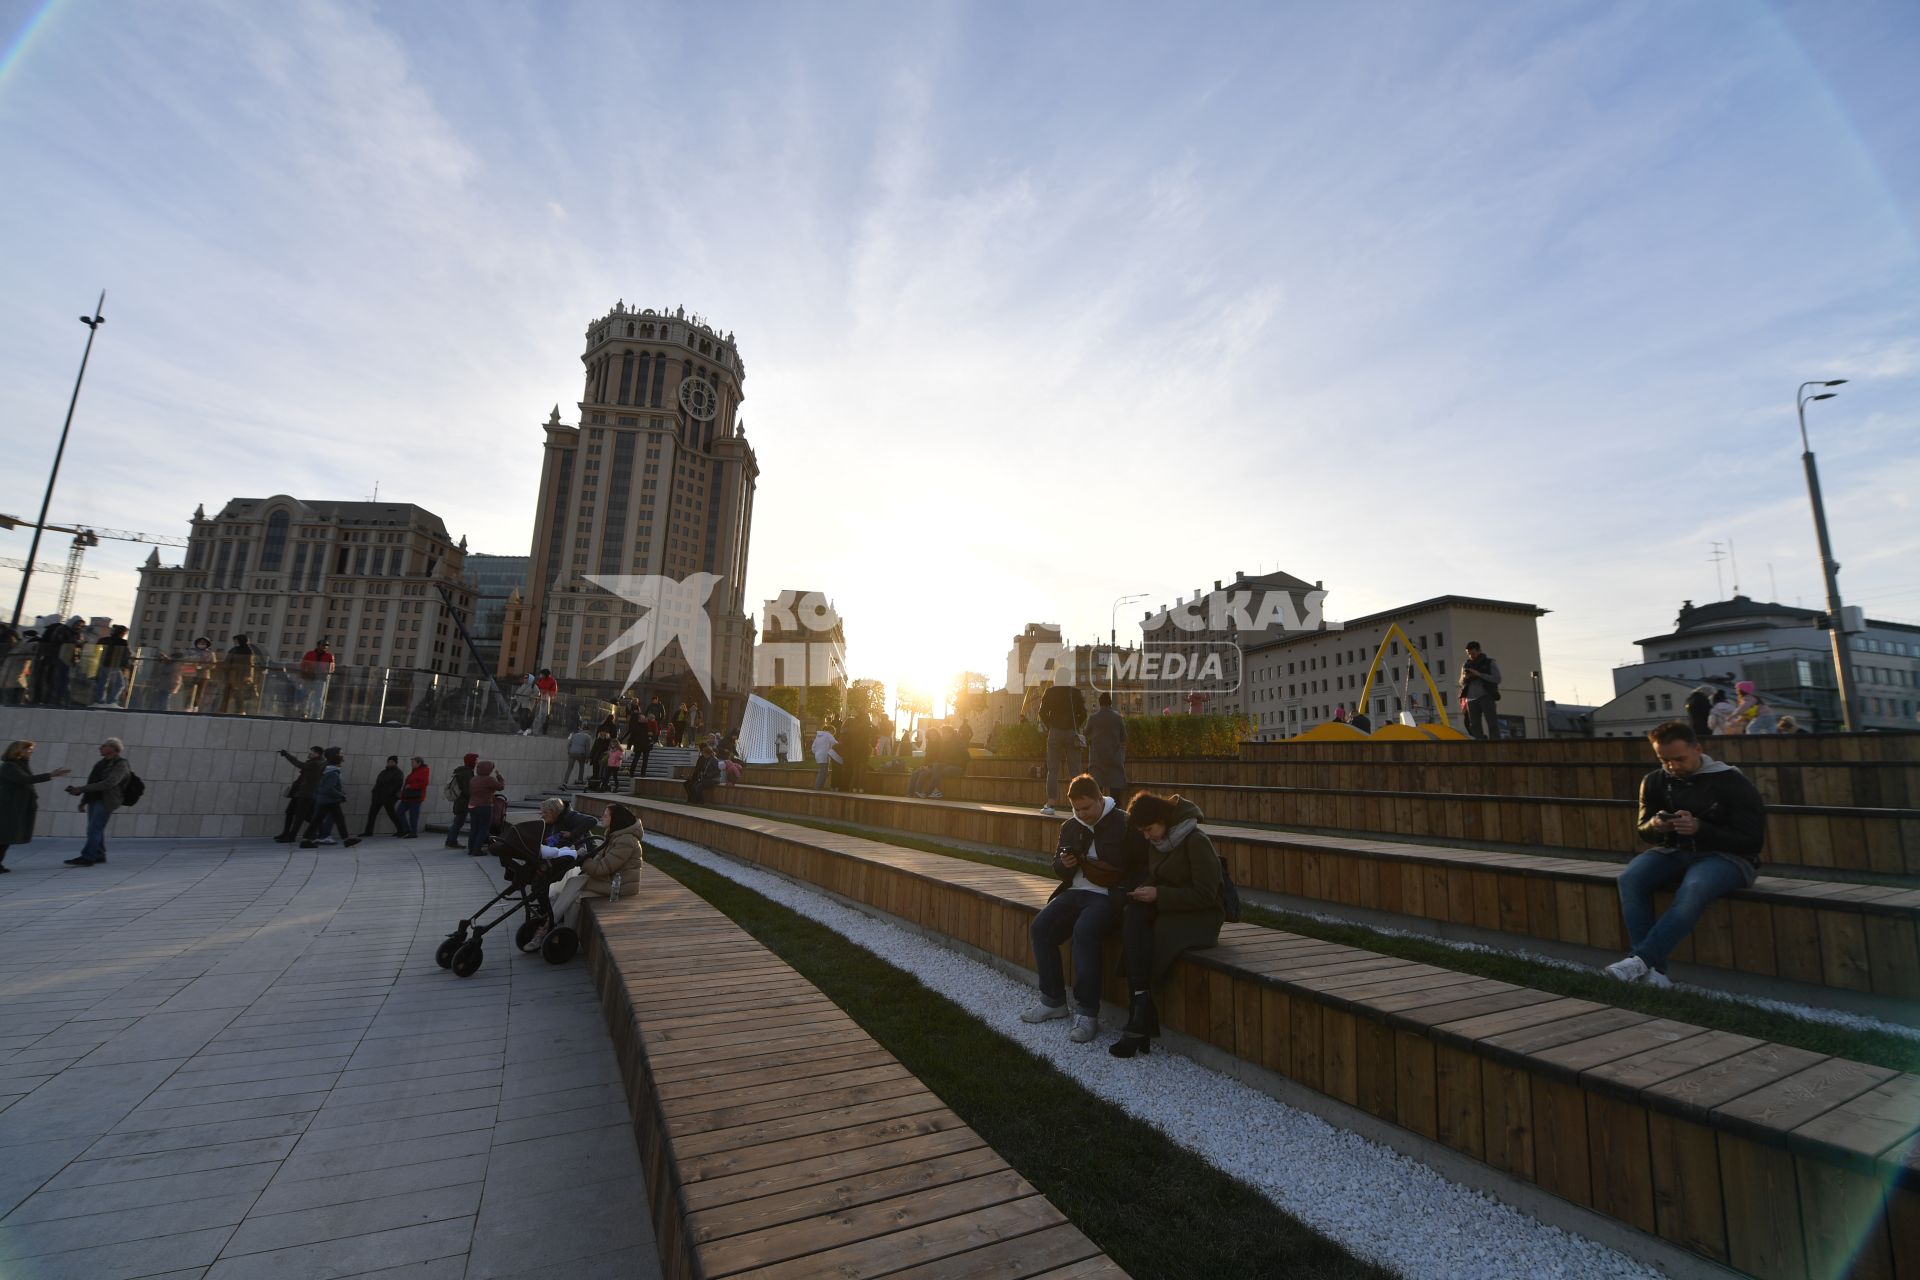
column 1153, row 1207
column 1881, row 1048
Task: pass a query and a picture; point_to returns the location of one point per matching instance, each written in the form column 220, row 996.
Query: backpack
column 451, row 791
column 1229, row 895
column 132, row 789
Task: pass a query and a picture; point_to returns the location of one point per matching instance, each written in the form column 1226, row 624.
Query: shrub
column 1155, row 737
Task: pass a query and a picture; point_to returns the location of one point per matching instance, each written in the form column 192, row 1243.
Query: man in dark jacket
column 300, row 794
column 706, row 776
column 386, row 793
column 462, row 785
column 102, row 793
column 1107, row 748
column 239, row 672
column 1063, row 713
column 1480, row 686
column 329, row 804
column 1699, row 706
column 49, row 679
column 1710, row 824
column 110, row 667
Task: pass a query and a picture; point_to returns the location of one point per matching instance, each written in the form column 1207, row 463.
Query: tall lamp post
column 93, row 323
column 1842, row 654
column 1113, row 638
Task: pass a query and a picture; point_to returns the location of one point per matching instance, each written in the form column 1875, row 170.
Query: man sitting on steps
column 1710, row 823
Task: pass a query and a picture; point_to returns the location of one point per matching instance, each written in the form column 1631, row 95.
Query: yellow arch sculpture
column 1439, row 703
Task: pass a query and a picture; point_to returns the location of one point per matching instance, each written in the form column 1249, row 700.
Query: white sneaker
column 328, row 840
column 936, row 795
column 1047, row 810
column 1044, row 1013
column 1084, row 1028
column 1632, row 969
column 1655, row 978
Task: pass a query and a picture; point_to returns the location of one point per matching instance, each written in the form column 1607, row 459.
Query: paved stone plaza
column 229, row 1059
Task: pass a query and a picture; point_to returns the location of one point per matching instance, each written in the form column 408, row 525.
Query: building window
column 276, row 542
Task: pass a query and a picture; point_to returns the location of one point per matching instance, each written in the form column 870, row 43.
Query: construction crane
column 85, row 536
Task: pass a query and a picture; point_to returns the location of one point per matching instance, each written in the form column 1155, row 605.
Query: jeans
column 95, row 849
column 109, row 684
column 697, row 791
column 325, row 818
column 1087, row 918
column 1702, row 877
column 482, row 820
column 410, row 816
column 1063, row 760
column 1482, row 722
column 575, row 763
column 821, row 774
column 453, row 829
column 1136, row 943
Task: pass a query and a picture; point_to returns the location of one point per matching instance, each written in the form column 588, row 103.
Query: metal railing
column 272, row 689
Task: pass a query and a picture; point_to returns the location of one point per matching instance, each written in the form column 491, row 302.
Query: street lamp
column 1842, row 655
column 93, row 323
column 1113, row 637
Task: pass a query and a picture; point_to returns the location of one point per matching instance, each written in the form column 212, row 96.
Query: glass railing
column 280, row 690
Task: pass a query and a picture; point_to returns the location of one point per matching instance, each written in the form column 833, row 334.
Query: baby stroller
column 518, row 848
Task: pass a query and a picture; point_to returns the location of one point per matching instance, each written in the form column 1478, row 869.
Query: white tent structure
column 769, row 733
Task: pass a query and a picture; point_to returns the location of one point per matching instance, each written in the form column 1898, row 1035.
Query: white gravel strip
column 1803, row 1012
column 1374, row 1201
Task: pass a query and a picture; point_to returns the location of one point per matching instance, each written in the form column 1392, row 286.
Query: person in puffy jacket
column 1176, row 909
column 486, row 785
column 329, row 805
column 614, row 867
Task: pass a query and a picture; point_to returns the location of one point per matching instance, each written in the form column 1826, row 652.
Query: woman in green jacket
column 19, row 803
column 1177, row 909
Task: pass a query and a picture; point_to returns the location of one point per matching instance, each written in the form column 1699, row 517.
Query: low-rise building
column 1299, row 680
column 1658, row 699
column 1788, row 655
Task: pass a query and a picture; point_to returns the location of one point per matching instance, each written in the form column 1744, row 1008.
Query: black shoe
column 1128, row 1045
column 81, row 862
column 1143, row 1020
column 308, row 844
column 352, row 841
column 283, row 839
column 4, row 868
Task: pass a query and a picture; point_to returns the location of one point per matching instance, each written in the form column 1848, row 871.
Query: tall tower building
column 656, row 479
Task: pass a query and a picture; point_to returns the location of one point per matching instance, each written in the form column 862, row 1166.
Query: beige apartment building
column 656, row 479
column 1297, row 681
column 367, row 577
column 802, row 644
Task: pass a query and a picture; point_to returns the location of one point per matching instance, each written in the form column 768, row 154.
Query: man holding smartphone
column 1709, row 823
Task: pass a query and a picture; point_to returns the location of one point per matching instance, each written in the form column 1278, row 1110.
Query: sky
column 1041, row 305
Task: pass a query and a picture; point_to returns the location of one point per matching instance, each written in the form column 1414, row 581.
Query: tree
column 969, row 694
column 785, row 697
column 866, row 696
column 823, row 701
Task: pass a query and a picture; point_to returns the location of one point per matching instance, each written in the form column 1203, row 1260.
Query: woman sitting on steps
column 1176, row 909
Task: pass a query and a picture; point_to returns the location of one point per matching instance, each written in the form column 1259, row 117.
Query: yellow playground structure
column 1441, row 730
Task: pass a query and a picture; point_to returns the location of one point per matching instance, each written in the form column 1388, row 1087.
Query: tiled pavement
column 229, row 1059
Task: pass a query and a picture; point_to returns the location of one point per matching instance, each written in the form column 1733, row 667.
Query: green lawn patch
column 1153, row 1207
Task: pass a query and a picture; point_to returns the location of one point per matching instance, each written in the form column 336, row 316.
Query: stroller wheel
column 523, row 936
column 560, row 946
column 467, row 959
column 443, row 955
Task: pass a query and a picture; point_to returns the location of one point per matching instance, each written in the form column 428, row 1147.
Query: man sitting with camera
column 1709, row 824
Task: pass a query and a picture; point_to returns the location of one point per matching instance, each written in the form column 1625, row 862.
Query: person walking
column 300, row 793
column 48, row 682
column 386, row 793
column 19, row 802
column 316, row 673
column 545, row 690
column 824, row 756
column 487, row 784
column 1711, row 825
column 597, row 759
column 457, row 789
column 330, row 805
column 1107, row 748
column 1480, row 686
column 103, row 792
column 579, row 756
column 239, row 672
column 413, row 794
column 647, row 735
column 1063, row 713
column 110, row 670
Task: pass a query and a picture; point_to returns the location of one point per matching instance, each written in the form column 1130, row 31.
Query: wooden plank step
column 782, row 1141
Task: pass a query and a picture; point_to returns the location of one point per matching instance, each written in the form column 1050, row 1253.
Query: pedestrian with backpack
column 456, row 793
column 104, row 791
column 1063, row 714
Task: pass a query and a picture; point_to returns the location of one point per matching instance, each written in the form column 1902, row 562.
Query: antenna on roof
column 1719, row 583
column 1734, row 556
column 1773, row 587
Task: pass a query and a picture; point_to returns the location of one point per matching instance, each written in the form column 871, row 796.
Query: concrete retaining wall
column 222, row 775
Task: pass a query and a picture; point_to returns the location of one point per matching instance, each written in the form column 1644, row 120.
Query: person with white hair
column 102, row 793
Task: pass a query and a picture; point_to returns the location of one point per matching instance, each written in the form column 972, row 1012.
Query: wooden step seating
column 1884, row 841
column 1826, row 933
column 1776, row 1161
column 779, row 1139
column 1799, row 748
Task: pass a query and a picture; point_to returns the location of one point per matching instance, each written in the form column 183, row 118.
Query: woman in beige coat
column 616, row 863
